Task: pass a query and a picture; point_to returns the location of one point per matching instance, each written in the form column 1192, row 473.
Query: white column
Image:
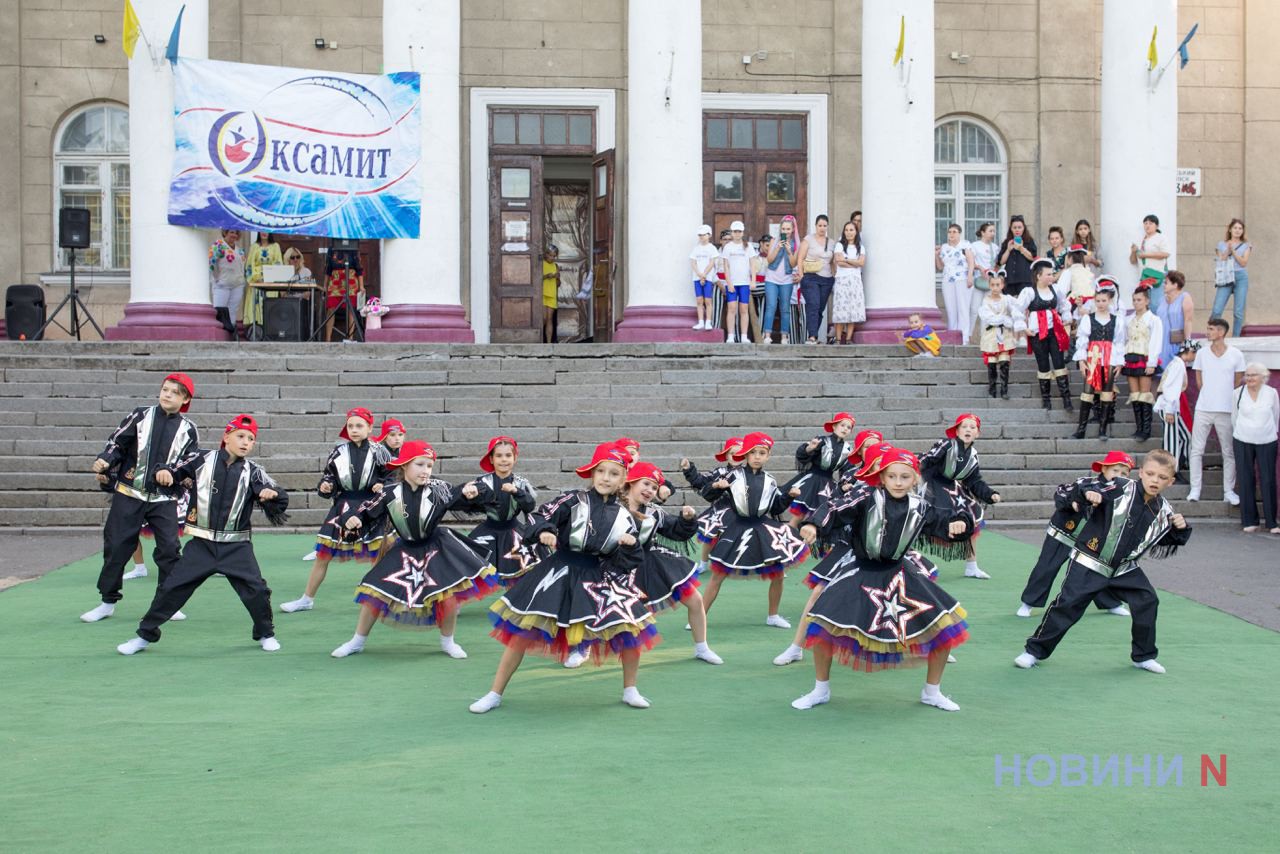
column 664, row 168
column 169, row 267
column 1139, row 132
column 422, row 286
column 897, row 166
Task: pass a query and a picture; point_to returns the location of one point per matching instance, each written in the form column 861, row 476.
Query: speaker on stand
column 73, row 234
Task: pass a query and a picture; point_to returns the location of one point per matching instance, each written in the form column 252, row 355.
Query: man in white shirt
column 1219, row 370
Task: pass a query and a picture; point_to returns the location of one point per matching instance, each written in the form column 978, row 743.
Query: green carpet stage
column 206, row 743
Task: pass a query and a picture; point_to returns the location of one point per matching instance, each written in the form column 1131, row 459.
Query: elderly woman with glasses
column 1255, row 419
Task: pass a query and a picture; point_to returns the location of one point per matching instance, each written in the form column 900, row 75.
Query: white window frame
column 958, row 171
column 103, row 160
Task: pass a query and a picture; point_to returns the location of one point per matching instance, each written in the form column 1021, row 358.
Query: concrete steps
column 677, row 399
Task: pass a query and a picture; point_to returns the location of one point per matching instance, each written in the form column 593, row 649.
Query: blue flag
column 171, row 52
column 1183, row 56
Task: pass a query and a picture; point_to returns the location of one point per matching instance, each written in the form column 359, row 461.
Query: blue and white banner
column 293, row 151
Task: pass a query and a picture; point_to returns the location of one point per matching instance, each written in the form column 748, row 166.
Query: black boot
column 1137, row 420
column 1044, row 394
column 1145, row 432
column 991, row 380
column 1108, row 413
column 1086, row 406
column 1004, row 380
column 1064, row 388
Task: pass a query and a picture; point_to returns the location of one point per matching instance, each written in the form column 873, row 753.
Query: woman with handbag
column 1151, row 254
column 817, row 266
column 1231, row 274
column 1176, row 313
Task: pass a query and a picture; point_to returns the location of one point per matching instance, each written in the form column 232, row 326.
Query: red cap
column 626, row 442
column 723, row 454
column 358, row 412
column 1107, row 281
column 961, row 418
column 1113, row 458
column 486, row 462
column 902, row 456
column 752, row 441
column 871, row 465
column 389, row 425
column 411, row 451
column 187, row 383
column 240, row 422
column 609, row 452
column 644, row 469
column 862, row 440
column 1077, row 247
column 839, row 416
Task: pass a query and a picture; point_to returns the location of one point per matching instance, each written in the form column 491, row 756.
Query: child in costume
column 1143, row 341
column 711, row 519
column 953, row 485
column 1125, row 524
column 355, row 473
column 1070, row 511
column 667, row 578
column 1099, row 353
column 227, row 485
column 631, row 447
column 149, row 437
column 512, row 499
column 821, row 462
column 1047, row 314
column 420, row 581
column 582, row 597
column 753, row 544
column 1000, row 321
column 1076, row 283
column 920, row 339
column 1173, row 406
column 881, row 612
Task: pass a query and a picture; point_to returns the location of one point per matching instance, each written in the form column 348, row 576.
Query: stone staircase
column 59, row 401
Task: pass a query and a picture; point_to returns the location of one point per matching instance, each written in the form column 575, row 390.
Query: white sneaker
column 939, row 701
column 951, row 659
column 106, row 609
column 730, row 339
column 777, row 621
column 700, row 567
column 697, row 325
column 1232, row 499
column 351, row 647
column 815, row 697
column 139, row 571
column 487, row 703
column 1121, row 610
column 575, row 660
column 306, row 603
column 178, row 617
column 975, row 572
column 688, row 628
column 453, row 650
column 708, row 656
column 1150, row 665
column 631, row 696
column 1024, row 610
column 270, row 644
column 129, row 647
column 790, row 655
column 1193, row 495
column 1026, row 661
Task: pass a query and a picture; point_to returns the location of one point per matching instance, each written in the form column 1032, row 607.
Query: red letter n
column 1207, row 767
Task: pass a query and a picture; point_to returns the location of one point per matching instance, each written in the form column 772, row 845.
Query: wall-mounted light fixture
column 100, row 39
column 321, row 44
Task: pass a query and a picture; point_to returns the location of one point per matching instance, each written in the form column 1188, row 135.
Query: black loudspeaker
column 24, row 312
column 282, row 318
column 73, row 228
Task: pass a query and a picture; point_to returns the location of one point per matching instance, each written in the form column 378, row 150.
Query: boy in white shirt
column 703, row 261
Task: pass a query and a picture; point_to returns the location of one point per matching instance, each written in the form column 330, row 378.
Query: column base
column 661, row 324
column 432, row 324
column 886, row 325
column 168, row 321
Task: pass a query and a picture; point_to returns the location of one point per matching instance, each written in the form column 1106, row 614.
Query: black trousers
column 1078, row 590
column 120, row 537
column 201, row 560
column 1053, row 555
column 1264, row 456
column 1050, row 361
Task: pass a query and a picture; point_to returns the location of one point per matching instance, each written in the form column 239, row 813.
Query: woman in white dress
column 848, row 307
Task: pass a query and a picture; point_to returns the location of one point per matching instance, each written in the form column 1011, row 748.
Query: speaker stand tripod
column 349, row 303
column 77, row 306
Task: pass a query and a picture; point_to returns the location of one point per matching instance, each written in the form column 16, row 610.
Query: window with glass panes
column 91, row 171
column 970, row 178
column 513, row 130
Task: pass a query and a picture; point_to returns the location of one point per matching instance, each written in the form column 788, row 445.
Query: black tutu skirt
column 756, row 548
column 416, row 583
column 501, row 539
column 666, row 577
column 334, row 541
column 885, row 619
column 568, row 602
column 815, row 487
column 711, row 521
column 1135, row 365
column 950, row 500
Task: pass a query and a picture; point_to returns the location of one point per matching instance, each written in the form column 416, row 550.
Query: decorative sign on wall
column 1188, row 182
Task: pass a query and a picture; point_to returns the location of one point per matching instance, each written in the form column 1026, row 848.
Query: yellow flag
column 902, row 40
column 1153, row 58
column 131, row 29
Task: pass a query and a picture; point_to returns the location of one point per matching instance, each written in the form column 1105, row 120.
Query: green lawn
column 205, row 743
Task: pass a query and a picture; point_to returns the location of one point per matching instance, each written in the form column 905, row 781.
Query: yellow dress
column 550, row 272
column 256, row 257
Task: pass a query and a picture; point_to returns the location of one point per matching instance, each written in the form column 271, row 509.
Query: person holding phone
column 1016, row 254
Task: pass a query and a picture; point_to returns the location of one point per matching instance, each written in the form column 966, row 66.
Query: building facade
column 569, row 130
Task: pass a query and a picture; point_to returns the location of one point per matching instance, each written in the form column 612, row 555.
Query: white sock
column 451, row 647
column 106, row 609
column 131, row 646
column 270, row 644
column 701, row 647
column 631, row 696
column 932, row 690
column 970, row 565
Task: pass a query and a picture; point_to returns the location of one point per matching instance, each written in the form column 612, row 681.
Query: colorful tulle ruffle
column 855, row 649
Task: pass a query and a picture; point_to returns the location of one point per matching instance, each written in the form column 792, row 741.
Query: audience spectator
column 1016, row 257
column 226, row 276
column 1255, row 419
column 1175, row 311
column 817, row 264
column 1219, row 369
column 1232, row 274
